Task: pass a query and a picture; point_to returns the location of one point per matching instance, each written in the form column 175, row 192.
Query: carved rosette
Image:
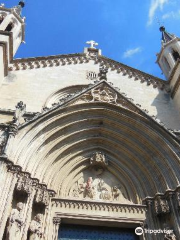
column 161, row 206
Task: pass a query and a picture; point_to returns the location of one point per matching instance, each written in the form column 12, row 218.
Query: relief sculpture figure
column 15, row 223
column 36, row 228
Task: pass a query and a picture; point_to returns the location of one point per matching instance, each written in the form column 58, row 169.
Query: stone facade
column 86, row 139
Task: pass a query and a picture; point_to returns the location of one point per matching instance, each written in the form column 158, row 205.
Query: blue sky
column 127, row 31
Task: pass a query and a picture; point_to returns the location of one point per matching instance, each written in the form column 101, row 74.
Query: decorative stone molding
column 101, row 92
column 27, row 184
column 24, row 183
column 42, row 195
column 93, row 208
column 90, row 75
column 61, row 60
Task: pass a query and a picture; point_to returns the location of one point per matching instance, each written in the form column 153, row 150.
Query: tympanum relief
column 97, row 183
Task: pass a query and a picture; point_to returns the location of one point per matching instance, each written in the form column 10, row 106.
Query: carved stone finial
column 92, row 44
column 19, row 113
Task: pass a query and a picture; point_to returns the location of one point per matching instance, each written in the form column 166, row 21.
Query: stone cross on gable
column 92, row 44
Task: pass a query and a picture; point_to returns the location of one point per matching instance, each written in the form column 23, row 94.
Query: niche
column 18, row 196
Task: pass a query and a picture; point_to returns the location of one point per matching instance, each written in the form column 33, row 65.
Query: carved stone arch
column 62, row 95
column 60, row 142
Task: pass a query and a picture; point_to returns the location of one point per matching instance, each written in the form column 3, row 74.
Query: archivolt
column 56, row 148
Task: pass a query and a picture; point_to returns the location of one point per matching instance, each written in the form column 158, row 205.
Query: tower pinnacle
column 166, row 37
column 18, row 8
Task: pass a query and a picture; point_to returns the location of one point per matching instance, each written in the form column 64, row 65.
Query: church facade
column 89, row 147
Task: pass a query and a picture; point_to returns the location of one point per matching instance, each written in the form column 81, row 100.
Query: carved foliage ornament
column 161, row 206
column 42, row 195
column 24, row 183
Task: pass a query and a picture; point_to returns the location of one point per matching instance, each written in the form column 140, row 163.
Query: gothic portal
column 89, row 147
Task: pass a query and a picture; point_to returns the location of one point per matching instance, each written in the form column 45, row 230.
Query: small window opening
column 9, row 27
column 176, row 55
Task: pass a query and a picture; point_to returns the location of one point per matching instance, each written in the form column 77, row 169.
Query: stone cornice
column 164, row 195
column 104, row 208
column 78, row 58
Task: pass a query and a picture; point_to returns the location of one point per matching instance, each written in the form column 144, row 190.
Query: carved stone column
column 7, row 196
column 26, row 184
column 56, row 224
column 152, row 221
column 174, row 212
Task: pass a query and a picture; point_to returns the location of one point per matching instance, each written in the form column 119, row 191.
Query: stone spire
column 166, row 37
column 18, row 8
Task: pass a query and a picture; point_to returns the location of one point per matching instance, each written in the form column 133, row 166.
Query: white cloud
column 131, row 52
column 171, row 15
column 155, row 5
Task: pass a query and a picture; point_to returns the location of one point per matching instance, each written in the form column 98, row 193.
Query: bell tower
column 169, row 56
column 12, row 29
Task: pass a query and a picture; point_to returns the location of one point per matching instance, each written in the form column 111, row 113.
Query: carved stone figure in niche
column 103, row 73
column 20, row 111
column 15, row 223
column 36, row 228
column 103, row 95
column 169, row 235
